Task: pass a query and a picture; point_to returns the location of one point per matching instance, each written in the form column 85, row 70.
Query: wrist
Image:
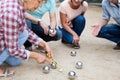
column 38, row 21
column 33, row 55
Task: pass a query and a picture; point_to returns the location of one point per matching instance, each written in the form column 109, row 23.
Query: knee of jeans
column 102, row 32
column 58, row 34
column 17, row 62
column 80, row 19
column 68, row 40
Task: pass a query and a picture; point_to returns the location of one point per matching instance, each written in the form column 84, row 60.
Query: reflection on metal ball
column 46, row 69
column 79, row 65
column 73, row 53
column 71, row 75
column 51, row 31
column 54, row 65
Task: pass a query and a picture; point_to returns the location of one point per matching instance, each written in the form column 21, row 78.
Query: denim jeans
column 38, row 30
column 78, row 27
column 110, row 32
column 11, row 60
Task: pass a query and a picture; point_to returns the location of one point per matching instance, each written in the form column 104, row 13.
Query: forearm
column 53, row 24
column 33, row 55
column 53, row 21
column 32, row 18
column 102, row 22
column 43, row 44
column 68, row 29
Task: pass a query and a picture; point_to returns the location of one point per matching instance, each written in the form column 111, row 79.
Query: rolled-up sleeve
column 52, row 6
column 105, row 14
column 33, row 38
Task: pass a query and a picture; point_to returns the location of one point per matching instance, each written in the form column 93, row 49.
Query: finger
column 93, row 26
column 41, row 61
column 75, row 41
column 48, row 60
column 49, row 55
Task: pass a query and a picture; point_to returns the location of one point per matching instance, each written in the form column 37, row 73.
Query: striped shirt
column 12, row 24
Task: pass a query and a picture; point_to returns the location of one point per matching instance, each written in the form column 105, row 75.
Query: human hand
column 52, row 32
column 75, row 39
column 68, row 23
column 48, row 52
column 44, row 26
column 96, row 29
column 39, row 58
column 46, row 47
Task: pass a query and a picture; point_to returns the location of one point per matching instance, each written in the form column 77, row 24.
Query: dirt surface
column 100, row 61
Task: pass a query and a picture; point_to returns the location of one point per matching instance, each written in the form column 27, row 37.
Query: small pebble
column 61, row 70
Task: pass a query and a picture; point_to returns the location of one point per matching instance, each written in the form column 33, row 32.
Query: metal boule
column 73, row 53
column 46, row 69
column 79, row 65
column 71, row 75
column 51, row 31
column 54, row 65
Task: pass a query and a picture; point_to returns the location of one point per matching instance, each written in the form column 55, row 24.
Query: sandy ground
column 100, row 61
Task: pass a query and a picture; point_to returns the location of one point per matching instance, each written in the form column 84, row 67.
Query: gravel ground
column 100, row 61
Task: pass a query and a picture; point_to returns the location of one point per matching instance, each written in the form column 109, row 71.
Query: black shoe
column 117, row 47
column 64, row 42
column 29, row 48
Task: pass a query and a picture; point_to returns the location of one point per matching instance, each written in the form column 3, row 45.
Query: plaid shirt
column 12, row 23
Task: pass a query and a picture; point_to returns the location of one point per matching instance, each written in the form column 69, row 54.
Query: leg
column 4, row 57
column 110, row 32
column 66, row 36
column 11, row 60
column 28, row 44
column 79, row 24
column 38, row 30
column 54, row 38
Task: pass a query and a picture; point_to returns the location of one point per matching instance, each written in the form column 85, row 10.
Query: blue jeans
column 11, row 60
column 78, row 27
column 110, row 32
column 38, row 30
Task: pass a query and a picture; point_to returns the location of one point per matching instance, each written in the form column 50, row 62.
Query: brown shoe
column 76, row 46
column 117, row 47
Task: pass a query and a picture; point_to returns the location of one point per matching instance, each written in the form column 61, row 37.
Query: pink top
column 65, row 8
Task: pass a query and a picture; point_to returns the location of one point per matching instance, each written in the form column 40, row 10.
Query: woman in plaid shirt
column 14, row 32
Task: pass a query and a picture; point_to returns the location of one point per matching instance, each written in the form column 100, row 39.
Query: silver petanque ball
column 51, row 31
column 46, row 69
column 73, row 53
column 54, row 65
column 79, row 65
column 71, row 75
